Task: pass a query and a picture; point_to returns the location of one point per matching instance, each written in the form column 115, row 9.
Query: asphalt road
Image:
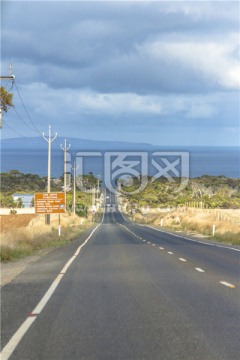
column 130, row 293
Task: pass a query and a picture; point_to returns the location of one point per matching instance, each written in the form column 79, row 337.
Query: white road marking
column 148, row 242
column 123, row 216
column 227, row 284
column 181, row 259
column 16, row 338
column 11, row 345
column 200, row 270
column 47, row 295
column 161, row 248
column 185, row 238
column 169, row 252
column 153, row 244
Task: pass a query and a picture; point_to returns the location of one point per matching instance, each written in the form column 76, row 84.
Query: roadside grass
column 228, row 238
column 25, row 241
column 196, row 222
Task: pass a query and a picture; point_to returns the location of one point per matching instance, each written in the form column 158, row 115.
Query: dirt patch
column 10, row 271
column 10, row 222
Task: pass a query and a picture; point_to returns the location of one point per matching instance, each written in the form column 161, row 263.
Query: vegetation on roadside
column 20, row 241
column 202, row 203
column 197, row 222
column 205, row 191
column 28, row 240
column 16, row 182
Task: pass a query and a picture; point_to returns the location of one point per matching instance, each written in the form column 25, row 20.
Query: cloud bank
column 161, row 65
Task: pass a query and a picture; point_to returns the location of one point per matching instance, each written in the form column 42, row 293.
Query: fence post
column 213, row 229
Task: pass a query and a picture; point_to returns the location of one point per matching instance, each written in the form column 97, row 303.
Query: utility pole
column 65, row 149
column 9, row 77
column 98, row 189
column 49, row 140
column 93, row 195
column 74, row 187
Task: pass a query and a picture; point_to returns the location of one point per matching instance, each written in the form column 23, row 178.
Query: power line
column 20, row 117
column 5, row 86
column 16, row 132
column 26, row 109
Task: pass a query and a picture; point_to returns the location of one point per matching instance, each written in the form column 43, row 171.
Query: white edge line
column 185, row 238
column 16, row 338
column 123, row 216
column 47, row 295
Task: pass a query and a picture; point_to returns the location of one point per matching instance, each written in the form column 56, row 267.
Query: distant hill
column 29, row 155
column 38, row 143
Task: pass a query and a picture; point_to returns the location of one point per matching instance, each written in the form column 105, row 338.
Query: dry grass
column 26, row 234
column 9, row 222
column 201, row 222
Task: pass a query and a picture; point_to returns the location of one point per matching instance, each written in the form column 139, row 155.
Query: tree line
column 209, row 191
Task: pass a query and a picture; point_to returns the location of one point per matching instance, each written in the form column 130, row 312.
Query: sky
column 157, row 72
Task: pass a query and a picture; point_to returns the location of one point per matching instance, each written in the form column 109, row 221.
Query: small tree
column 19, row 202
column 5, row 99
column 5, row 102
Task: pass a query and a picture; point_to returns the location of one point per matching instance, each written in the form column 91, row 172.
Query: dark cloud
column 96, row 43
column 125, row 68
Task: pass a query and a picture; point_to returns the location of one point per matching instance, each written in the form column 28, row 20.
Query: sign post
column 59, row 225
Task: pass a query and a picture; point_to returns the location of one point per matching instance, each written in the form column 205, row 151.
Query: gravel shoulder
column 9, row 271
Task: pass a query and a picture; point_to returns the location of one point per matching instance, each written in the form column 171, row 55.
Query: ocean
column 202, row 161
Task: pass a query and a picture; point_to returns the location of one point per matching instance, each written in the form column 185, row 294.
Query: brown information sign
column 50, row 203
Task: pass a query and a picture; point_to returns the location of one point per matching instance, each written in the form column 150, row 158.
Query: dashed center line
column 227, row 284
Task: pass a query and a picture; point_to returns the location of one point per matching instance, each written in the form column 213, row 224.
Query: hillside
column 205, row 191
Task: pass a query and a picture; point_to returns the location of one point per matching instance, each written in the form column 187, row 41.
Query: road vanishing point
column 123, row 291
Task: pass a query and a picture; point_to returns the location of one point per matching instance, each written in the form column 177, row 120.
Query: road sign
column 50, row 203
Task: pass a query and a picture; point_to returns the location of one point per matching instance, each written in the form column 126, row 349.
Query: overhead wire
column 5, row 86
column 11, row 86
column 20, row 117
column 29, row 117
column 34, row 127
column 15, row 131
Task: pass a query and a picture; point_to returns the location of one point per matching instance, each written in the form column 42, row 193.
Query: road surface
column 129, row 292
